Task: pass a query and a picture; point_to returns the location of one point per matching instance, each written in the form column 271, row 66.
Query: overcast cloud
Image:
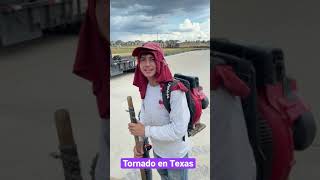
column 154, row 19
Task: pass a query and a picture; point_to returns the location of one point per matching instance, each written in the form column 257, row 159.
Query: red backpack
column 196, row 99
column 273, row 100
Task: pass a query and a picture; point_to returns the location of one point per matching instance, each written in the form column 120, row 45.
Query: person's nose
column 148, row 62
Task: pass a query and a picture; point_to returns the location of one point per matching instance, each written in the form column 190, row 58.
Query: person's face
column 147, row 65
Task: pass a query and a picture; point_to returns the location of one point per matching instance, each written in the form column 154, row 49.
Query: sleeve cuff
column 147, row 131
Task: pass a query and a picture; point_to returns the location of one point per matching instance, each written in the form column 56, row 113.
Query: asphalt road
column 35, row 80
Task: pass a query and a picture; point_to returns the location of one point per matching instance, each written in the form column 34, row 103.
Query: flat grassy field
column 126, row 51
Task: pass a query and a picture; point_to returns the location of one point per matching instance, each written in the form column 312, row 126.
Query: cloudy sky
column 160, row 19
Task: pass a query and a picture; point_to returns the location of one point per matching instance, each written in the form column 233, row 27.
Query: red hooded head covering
column 93, row 59
column 163, row 73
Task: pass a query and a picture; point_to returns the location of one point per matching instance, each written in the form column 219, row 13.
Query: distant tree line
column 164, row 44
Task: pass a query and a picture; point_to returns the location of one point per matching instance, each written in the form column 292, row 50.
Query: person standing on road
column 165, row 130
column 93, row 64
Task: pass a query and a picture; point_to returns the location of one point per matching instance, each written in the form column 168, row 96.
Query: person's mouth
column 148, row 70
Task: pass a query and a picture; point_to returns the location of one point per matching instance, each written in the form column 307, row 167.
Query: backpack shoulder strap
column 166, row 94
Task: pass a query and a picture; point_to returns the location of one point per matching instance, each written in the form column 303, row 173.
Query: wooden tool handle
column 138, row 143
column 64, row 129
column 67, row 146
column 129, row 100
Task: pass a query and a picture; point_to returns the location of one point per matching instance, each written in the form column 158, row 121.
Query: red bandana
column 93, row 59
column 163, row 73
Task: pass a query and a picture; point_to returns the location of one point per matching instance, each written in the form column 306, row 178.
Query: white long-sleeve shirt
column 166, row 130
